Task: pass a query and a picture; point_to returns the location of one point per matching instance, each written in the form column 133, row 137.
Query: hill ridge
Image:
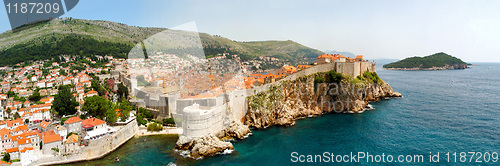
column 102, row 31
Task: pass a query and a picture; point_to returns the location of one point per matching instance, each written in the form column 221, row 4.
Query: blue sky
column 377, row 29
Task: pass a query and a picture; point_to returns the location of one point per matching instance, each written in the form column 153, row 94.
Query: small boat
column 117, row 159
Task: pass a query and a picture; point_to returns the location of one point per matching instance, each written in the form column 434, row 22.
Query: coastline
column 96, row 151
column 292, row 100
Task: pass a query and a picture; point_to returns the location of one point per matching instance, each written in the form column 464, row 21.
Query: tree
column 10, row 94
column 122, row 91
column 6, row 157
column 125, row 108
column 95, row 84
column 96, row 106
column 8, row 112
column 143, row 113
column 21, row 99
column 16, row 115
column 111, row 116
column 62, row 72
column 64, row 102
column 26, row 121
column 63, row 120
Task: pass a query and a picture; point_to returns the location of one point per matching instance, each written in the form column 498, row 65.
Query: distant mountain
column 438, row 61
column 383, row 61
column 348, row 54
column 67, row 36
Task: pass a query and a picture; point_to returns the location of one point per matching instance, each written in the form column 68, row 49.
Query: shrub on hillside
column 372, row 77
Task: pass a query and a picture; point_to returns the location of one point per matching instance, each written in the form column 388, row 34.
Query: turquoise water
column 441, row 111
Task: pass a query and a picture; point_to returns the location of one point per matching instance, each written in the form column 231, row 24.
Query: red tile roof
column 27, row 114
column 21, row 128
column 72, row 138
column 44, row 100
column 26, row 149
column 331, row 56
column 41, row 105
column 44, row 124
column 16, row 149
column 3, row 162
column 290, row 68
column 51, row 138
column 40, row 111
column 92, row 121
column 11, row 123
column 73, row 120
column 303, row 66
column 4, row 132
column 23, row 141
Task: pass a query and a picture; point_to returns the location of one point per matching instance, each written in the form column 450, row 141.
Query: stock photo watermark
column 22, row 12
column 367, row 157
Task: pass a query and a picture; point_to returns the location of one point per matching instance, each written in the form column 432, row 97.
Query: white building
column 13, row 152
column 27, row 156
column 40, row 84
column 73, row 125
column 61, row 130
column 51, row 141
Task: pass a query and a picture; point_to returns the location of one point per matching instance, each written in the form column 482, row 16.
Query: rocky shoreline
column 281, row 105
column 212, row 144
column 300, row 98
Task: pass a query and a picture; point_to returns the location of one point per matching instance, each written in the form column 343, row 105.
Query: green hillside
column 435, row 60
column 46, row 39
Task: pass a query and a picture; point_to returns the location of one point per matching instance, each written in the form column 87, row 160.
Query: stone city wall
column 202, row 121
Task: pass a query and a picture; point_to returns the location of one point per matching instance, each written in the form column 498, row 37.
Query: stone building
column 352, row 66
column 72, row 144
column 51, row 140
column 92, row 123
column 199, row 120
column 286, row 70
column 73, row 125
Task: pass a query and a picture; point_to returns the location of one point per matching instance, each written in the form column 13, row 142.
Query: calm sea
column 441, row 111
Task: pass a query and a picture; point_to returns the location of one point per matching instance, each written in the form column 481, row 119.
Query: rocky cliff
column 325, row 92
column 315, row 94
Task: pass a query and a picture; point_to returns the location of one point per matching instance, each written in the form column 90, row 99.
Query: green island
column 438, row 61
